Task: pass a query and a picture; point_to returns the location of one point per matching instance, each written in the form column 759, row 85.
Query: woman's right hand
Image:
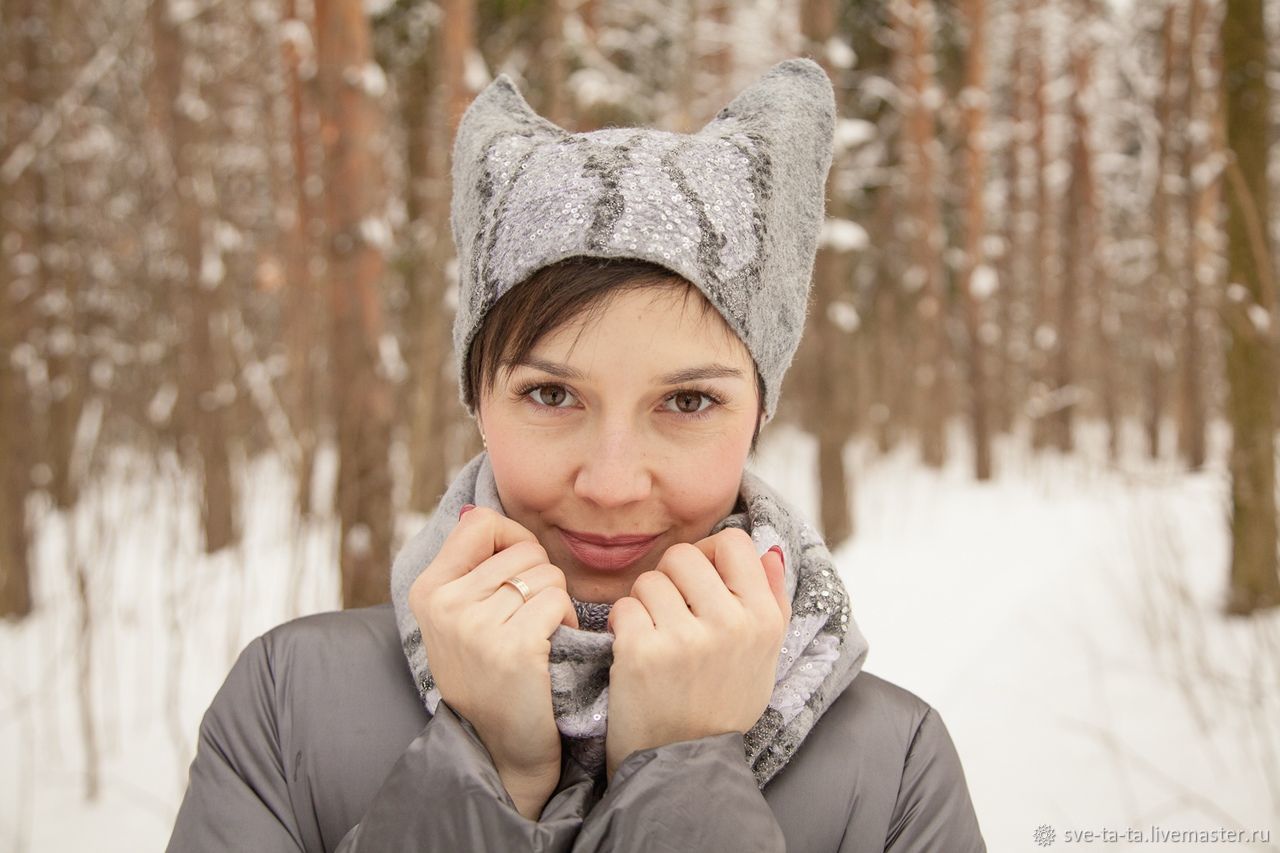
column 489, row 650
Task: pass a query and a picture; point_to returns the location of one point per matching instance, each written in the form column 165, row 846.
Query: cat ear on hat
column 793, row 106
column 785, row 121
column 496, row 131
column 498, row 109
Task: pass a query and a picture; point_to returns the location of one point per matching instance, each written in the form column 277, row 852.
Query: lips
column 607, row 554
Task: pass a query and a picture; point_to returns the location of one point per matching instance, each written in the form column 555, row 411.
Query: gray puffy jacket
column 318, row 741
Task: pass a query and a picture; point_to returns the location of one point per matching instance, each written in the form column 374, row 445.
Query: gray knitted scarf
column 823, row 652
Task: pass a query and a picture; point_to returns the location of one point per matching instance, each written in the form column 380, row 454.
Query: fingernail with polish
column 465, row 508
column 778, row 548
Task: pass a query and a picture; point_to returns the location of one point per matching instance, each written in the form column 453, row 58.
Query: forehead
column 658, row 324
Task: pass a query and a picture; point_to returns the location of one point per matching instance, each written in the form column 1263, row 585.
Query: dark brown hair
column 554, row 296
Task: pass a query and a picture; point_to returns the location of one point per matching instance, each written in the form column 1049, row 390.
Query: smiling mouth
column 607, row 557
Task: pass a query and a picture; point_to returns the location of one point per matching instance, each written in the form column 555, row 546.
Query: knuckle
column 531, row 550
column 680, row 552
column 554, row 596
column 649, row 580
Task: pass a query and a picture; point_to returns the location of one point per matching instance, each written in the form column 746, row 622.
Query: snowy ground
column 1063, row 620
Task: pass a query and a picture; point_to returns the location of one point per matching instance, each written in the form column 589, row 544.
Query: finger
column 478, row 535
column 506, row 599
column 775, row 569
column 628, row 617
column 545, row 612
column 485, row 578
column 734, row 556
column 659, row 595
column 696, row 578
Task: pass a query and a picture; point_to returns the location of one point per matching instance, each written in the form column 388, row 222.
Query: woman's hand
column 696, row 645
column 489, row 650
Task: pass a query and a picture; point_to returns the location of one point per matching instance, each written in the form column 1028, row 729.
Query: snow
column 852, row 132
column 844, row 315
column 984, row 281
column 1062, row 619
column 1260, row 318
column 843, row 235
column 374, row 80
column 839, row 53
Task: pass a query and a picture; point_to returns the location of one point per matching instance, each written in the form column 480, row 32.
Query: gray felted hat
column 735, row 208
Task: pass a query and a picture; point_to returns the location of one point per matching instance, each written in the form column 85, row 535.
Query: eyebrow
column 688, row 374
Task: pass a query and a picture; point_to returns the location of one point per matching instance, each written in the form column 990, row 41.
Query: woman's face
column 604, row 436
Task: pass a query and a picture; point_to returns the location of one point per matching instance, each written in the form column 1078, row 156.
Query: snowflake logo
column 1044, row 835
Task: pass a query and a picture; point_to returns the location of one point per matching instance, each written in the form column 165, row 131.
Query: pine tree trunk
column 303, row 295
column 975, row 171
column 351, row 129
column 1161, row 281
column 437, row 413
column 1201, row 207
column 18, row 292
column 65, row 363
column 1079, row 267
column 914, row 22
column 1009, row 380
column 829, row 408
column 203, row 412
column 1248, row 312
column 1045, row 337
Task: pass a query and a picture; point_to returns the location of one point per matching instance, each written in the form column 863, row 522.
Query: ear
column 791, row 110
column 496, row 133
column 784, row 124
column 498, row 109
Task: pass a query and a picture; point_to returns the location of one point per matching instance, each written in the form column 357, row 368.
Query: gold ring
column 521, row 587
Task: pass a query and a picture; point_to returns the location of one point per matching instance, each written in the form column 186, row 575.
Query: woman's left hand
column 696, row 645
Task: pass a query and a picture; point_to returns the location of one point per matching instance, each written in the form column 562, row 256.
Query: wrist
column 529, row 791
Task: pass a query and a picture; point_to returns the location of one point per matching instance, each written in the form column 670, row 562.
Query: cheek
column 706, row 483
column 526, row 481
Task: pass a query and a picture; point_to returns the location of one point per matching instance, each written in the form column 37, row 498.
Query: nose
column 614, row 469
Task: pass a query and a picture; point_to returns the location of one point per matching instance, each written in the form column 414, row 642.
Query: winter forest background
column 1034, row 412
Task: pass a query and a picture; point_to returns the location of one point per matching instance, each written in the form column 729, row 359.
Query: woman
column 618, row 638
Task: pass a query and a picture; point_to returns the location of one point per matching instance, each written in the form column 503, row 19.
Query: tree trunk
column 351, row 130
column 303, row 294
column 1160, row 283
column 19, row 287
column 829, row 408
column 203, row 412
column 1045, row 336
column 436, row 410
column 974, row 108
column 1090, row 282
column 914, row 22
column 1080, row 270
column 1248, row 312
column 1201, row 202
column 1010, row 380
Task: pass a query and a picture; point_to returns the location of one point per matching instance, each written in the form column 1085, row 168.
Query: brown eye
column 688, row 403
column 552, row 395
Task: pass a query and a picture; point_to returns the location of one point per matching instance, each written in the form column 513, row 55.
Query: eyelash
column 523, row 392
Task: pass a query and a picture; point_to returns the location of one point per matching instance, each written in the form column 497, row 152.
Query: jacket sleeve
column 444, row 793
column 236, row 797
column 694, row 795
column 933, row 810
